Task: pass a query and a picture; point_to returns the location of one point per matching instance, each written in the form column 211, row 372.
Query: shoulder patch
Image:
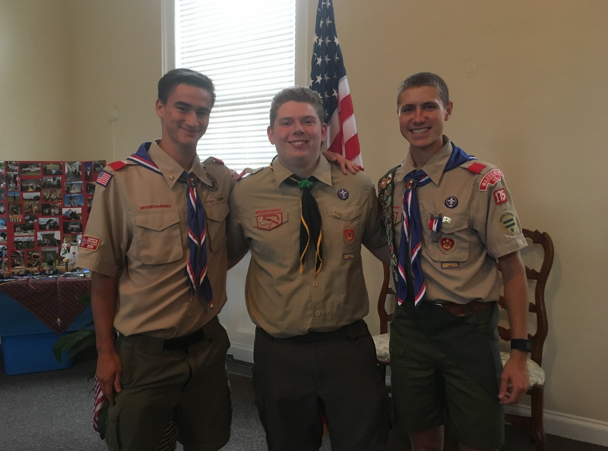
column 103, row 178
column 117, row 165
column 476, row 167
column 490, row 179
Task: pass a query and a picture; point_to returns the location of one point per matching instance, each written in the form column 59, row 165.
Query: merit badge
column 349, row 234
column 490, row 179
column 103, row 178
column 212, row 185
column 89, row 243
column 509, row 223
column 500, row 196
column 383, row 183
column 451, row 202
column 447, row 245
column 343, row 193
column 268, row 219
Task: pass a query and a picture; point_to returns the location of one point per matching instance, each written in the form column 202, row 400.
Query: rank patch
column 103, row 178
column 349, row 234
column 89, row 243
column 490, row 179
column 509, row 223
column 268, row 219
column 500, row 196
column 447, row 245
column 343, row 193
column 451, row 202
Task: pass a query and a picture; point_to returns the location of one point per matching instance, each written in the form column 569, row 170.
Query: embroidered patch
column 509, row 223
column 343, row 193
column 89, row 243
column 449, row 265
column 451, row 202
column 349, row 256
column 268, row 219
column 490, row 179
column 476, row 167
column 349, row 234
column 447, row 245
column 233, row 174
column 117, row 165
column 500, row 196
column 212, row 185
column 104, row 178
column 336, row 214
column 383, row 183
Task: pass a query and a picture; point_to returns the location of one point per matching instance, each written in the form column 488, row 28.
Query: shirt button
column 317, row 313
column 315, row 284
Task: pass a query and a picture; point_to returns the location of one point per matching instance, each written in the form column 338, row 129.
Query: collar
column 433, row 168
column 322, row 172
column 159, row 161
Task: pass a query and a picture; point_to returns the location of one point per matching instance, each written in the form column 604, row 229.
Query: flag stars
column 319, row 59
column 327, row 41
column 319, row 78
column 327, row 59
column 321, row 23
column 335, row 94
column 335, row 40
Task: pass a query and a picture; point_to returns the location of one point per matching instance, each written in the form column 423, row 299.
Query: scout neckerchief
column 411, row 228
column 310, row 220
column 196, row 268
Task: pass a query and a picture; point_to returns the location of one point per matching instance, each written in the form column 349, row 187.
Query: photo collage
column 43, row 205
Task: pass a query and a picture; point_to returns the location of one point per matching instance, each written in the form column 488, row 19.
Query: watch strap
column 521, row 344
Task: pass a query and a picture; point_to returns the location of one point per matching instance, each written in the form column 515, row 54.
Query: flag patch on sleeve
column 104, row 178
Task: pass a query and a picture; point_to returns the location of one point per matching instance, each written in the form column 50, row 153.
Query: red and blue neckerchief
column 411, row 230
column 196, row 268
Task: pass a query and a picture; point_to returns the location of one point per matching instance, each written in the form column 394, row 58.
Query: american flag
column 328, row 78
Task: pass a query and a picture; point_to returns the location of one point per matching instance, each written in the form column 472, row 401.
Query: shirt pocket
column 216, row 225
column 158, row 238
column 453, row 244
column 342, row 229
column 269, row 235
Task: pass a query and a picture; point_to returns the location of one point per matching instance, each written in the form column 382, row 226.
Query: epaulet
column 212, row 160
column 248, row 172
column 117, row 165
column 474, row 166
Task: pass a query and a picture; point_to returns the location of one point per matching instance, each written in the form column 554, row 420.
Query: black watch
column 521, row 344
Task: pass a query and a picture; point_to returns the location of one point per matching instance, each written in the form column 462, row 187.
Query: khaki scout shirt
column 141, row 221
column 460, row 264
column 266, row 218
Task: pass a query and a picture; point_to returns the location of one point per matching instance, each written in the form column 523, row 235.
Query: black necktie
column 310, row 226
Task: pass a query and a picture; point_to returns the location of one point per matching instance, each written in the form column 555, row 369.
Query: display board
column 43, row 204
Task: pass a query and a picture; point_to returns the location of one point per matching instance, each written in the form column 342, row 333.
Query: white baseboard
column 569, row 426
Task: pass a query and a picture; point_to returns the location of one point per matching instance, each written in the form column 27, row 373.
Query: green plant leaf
column 67, row 342
column 88, row 341
column 85, row 300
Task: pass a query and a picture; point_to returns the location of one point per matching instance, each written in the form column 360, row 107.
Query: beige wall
column 527, row 80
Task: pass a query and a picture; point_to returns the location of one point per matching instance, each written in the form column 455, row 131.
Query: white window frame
column 304, row 32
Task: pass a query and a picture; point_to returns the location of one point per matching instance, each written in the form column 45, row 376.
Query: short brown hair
column 296, row 94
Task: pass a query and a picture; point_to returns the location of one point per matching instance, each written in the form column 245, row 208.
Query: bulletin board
column 42, row 205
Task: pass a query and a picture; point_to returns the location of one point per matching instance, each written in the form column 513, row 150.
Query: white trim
column 167, row 24
column 569, row 426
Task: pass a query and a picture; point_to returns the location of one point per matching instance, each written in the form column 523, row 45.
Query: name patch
column 150, row 207
column 490, row 179
column 349, row 256
column 449, row 265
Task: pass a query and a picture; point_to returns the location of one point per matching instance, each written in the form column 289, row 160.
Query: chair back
column 537, row 306
column 385, row 290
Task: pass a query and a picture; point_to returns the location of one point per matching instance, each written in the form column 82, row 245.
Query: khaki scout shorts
column 189, row 385
column 426, row 384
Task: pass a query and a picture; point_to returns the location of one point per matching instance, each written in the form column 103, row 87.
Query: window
column 248, row 48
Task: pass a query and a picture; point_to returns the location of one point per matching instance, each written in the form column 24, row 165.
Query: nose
column 191, row 119
column 418, row 115
column 297, row 128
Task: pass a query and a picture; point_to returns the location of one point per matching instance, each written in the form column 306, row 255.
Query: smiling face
column 184, row 117
column 422, row 115
column 297, row 134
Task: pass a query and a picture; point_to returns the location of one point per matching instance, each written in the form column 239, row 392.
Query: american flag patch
column 103, row 178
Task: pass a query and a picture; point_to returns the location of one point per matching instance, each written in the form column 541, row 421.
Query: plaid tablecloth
column 53, row 301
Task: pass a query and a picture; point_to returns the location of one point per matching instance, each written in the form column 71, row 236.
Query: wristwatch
column 521, row 344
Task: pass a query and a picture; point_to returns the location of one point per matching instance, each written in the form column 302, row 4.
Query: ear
column 270, row 133
column 448, row 110
column 323, row 133
column 160, row 108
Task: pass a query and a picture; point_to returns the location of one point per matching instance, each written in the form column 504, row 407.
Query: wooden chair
column 537, row 307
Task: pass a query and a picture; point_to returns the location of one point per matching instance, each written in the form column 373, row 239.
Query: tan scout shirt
column 265, row 216
column 141, row 222
column 460, row 264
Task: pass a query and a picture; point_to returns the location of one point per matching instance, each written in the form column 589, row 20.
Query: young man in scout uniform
column 449, row 218
column 304, row 223
column 155, row 243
